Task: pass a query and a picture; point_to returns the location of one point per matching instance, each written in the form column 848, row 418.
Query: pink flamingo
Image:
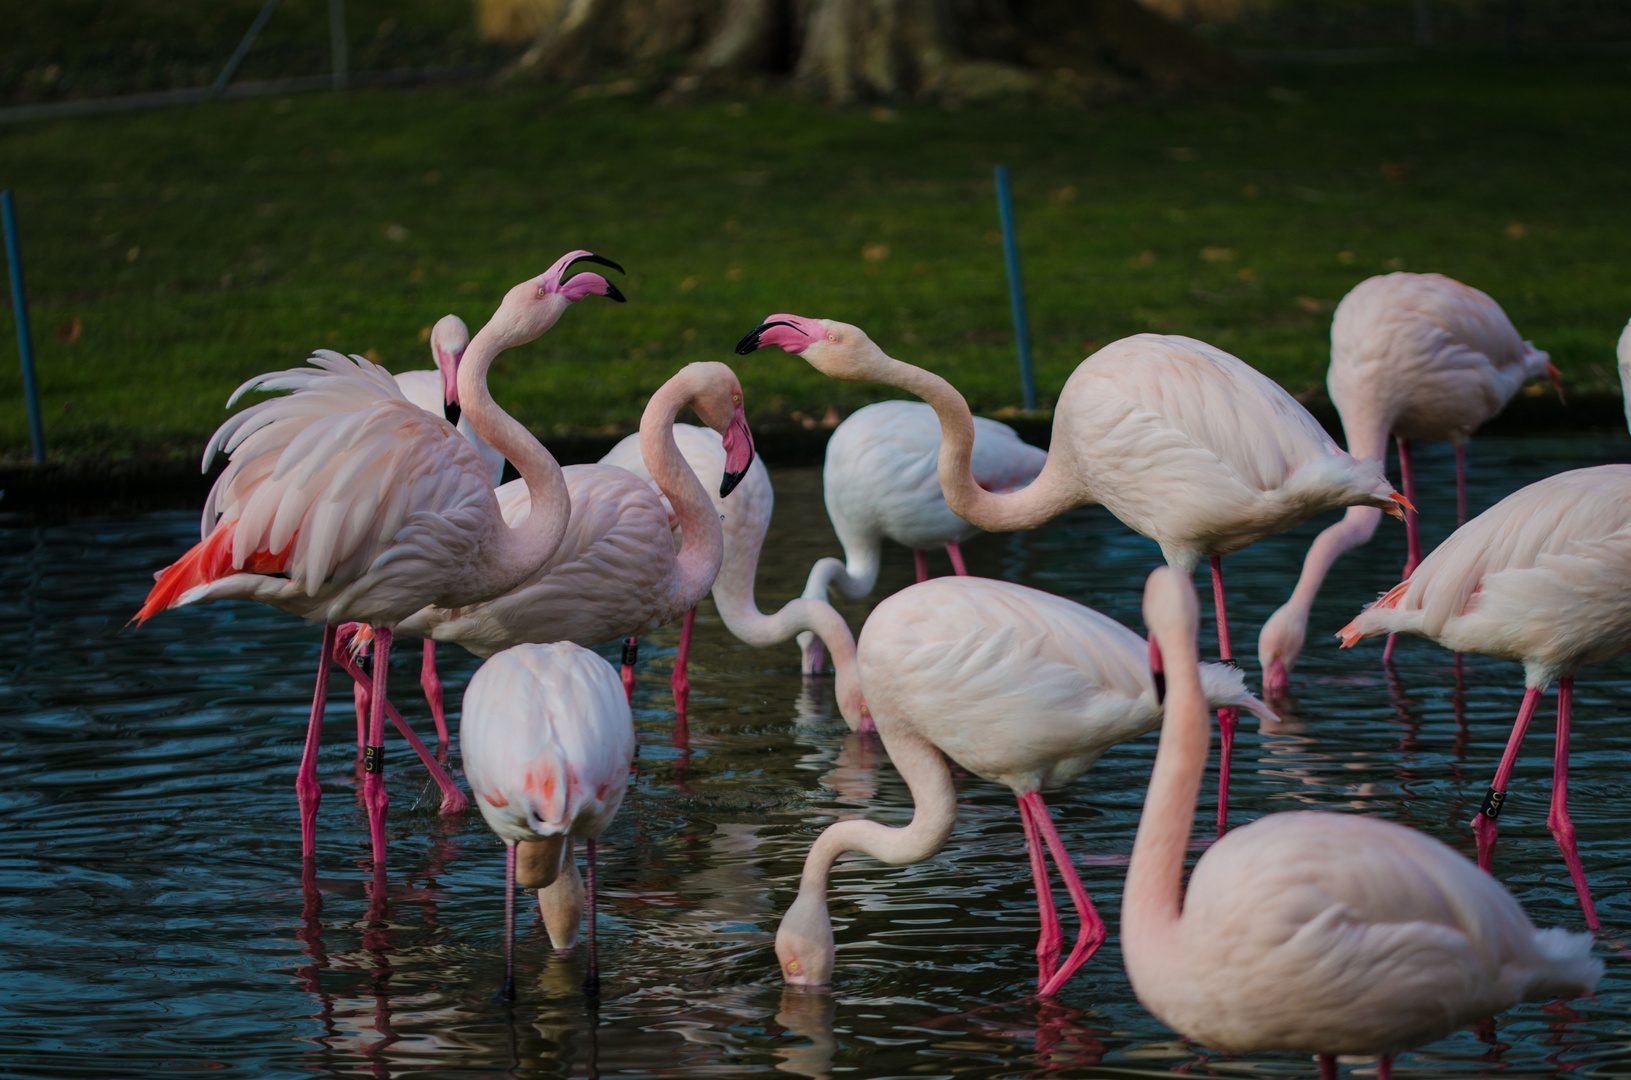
column 1417, row 356
column 547, row 741
column 616, row 573
column 1184, row 443
column 1312, row 932
column 880, row 483
column 1019, row 687
column 343, row 501
column 1541, row 577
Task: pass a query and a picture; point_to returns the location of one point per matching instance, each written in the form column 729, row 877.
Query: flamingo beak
column 1556, row 378
column 738, row 452
column 793, row 333
column 1401, row 504
column 1159, row 672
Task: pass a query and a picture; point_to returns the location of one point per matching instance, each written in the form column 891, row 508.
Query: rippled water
column 155, row 921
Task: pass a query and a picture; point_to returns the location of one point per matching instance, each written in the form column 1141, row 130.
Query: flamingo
column 617, row 574
column 745, row 517
column 343, row 501
column 1312, row 932
column 1418, row 356
column 1019, row 687
column 1184, row 443
column 1542, row 577
column 547, row 740
column 880, row 483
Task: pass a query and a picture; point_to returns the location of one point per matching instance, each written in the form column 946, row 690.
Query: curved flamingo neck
column 525, row 548
column 854, row 575
column 1152, row 901
column 1049, row 495
column 703, row 540
column 1357, row 526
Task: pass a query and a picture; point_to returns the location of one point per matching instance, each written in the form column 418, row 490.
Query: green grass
column 201, row 245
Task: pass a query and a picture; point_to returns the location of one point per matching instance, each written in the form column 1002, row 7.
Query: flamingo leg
column 921, row 560
column 508, row 993
column 1460, row 486
column 1092, row 931
column 1328, row 1066
column 1483, row 826
column 1407, row 477
column 306, row 787
column 631, row 654
column 373, row 761
column 957, row 563
column 591, row 982
column 1051, row 939
column 678, row 681
column 1558, row 821
column 1384, row 1064
column 359, row 686
column 453, row 799
column 1226, row 717
column 432, row 684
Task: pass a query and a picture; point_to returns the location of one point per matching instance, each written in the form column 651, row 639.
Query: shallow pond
column 156, row 921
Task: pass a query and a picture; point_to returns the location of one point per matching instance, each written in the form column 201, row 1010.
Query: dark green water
column 155, row 921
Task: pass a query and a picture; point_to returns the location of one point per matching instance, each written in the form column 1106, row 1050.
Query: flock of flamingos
column 371, row 503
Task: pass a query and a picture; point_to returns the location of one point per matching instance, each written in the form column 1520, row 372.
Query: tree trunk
column 845, row 51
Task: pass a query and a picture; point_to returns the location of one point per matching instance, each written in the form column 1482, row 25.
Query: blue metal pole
column 1016, row 290
column 242, row 50
column 25, row 336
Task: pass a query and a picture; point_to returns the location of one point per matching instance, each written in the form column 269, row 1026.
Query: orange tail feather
column 1350, row 634
column 208, row 560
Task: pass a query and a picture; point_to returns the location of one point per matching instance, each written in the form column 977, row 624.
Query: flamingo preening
column 880, row 482
column 1415, row 356
column 342, row 501
column 547, row 741
column 1184, row 443
column 1019, row 687
column 1312, row 932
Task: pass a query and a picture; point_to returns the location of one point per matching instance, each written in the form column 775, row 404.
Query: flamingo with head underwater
column 342, row 501
column 1415, row 356
column 1184, row 443
column 1312, row 932
column 1543, row 577
column 1019, row 687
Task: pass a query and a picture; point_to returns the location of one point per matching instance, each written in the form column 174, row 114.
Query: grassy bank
column 173, row 254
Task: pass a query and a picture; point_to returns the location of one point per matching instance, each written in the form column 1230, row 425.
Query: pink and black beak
column 795, row 333
column 1159, row 672
column 738, row 451
column 575, row 287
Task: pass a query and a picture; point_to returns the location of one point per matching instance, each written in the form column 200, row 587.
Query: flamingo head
column 532, row 307
column 719, row 405
column 1278, row 646
column 1171, row 616
column 448, row 340
column 804, row 944
column 835, row 349
column 1538, row 364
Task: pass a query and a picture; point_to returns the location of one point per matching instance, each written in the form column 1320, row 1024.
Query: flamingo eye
column 736, row 399
column 543, row 291
column 792, row 967
column 831, row 336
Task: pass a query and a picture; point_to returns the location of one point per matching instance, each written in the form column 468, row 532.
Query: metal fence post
column 25, row 336
column 242, row 50
column 1016, row 290
column 337, row 46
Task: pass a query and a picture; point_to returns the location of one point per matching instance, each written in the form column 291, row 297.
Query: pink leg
column 1328, row 1067
column 1558, row 820
column 957, row 563
column 1483, row 826
column 1226, row 717
column 1460, row 486
column 1407, row 477
column 591, row 982
column 678, row 681
column 1092, row 932
column 453, row 800
column 631, row 653
column 921, row 560
column 508, row 993
column 1384, row 1064
column 432, row 684
column 305, row 782
column 1049, row 943
column 374, row 795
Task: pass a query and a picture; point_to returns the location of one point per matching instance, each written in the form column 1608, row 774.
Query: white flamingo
column 343, row 501
column 880, row 482
column 547, row 741
column 1019, row 687
column 1416, row 356
column 1312, row 932
column 1184, row 443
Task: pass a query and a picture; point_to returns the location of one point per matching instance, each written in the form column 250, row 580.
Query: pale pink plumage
column 1418, row 356
column 430, row 388
column 1017, row 686
column 1312, row 932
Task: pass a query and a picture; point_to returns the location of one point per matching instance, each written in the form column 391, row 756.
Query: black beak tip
column 750, row 343
column 728, row 484
column 1160, row 687
column 613, row 294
